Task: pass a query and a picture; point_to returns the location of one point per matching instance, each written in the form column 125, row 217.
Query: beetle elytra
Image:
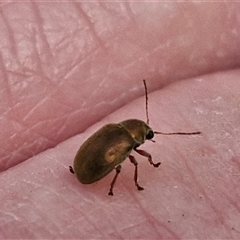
column 107, row 148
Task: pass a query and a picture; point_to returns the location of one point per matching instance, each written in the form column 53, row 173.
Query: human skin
column 69, row 68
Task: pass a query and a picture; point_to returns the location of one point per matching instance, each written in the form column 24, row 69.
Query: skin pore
column 69, row 68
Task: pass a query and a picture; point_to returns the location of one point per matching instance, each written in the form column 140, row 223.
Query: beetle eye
column 150, row 135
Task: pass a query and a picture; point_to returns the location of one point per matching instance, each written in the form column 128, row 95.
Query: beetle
column 107, row 148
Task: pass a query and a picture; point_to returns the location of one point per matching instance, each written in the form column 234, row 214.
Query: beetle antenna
column 146, row 94
column 156, row 132
column 178, row 133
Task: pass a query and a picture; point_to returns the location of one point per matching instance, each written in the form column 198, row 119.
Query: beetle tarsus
column 118, row 170
column 133, row 161
column 140, row 188
column 71, row 169
column 156, row 164
column 146, row 154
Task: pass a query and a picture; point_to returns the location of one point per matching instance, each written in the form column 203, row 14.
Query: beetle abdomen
column 100, row 153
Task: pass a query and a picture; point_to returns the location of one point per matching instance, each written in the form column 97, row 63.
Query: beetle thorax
column 137, row 129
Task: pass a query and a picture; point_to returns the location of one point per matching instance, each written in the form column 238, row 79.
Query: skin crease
column 50, row 92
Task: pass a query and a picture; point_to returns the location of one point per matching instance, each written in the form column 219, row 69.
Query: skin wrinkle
column 134, row 224
column 236, row 162
column 146, row 214
column 22, row 149
column 44, row 38
column 6, row 82
column 82, row 213
column 112, row 15
column 53, row 217
column 220, row 217
column 174, row 235
column 92, row 30
column 115, row 230
column 154, row 221
column 40, row 134
column 125, row 229
column 90, row 25
column 80, row 61
column 17, row 152
column 10, row 214
column 91, row 52
column 67, row 119
column 53, row 225
column 234, row 204
column 92, row 223
column 18, row 41
column 40, row 23
column 131, row 14
column 38, row 71
column 10, row 35
column 34, row 108
column 113, row 227
column 157, row 225
column 31, row 130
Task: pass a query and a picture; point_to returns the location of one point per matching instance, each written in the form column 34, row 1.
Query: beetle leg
column 118, row 170
column 145, row 154
column 71, row 169
column 133, row 160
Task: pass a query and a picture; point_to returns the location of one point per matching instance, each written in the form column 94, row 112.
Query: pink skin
column 65, row 66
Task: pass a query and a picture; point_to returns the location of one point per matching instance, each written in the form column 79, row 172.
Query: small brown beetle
column 111, row 145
